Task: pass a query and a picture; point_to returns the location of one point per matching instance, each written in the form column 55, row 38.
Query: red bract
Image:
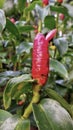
column 12, row 20
column 20, row 103
column 61, row 16
column 60, row 1
column 40, row 61
column 51, row 34
column 45, row 2
column 40, row 57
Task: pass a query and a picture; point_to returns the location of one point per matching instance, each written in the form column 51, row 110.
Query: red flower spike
column 60, row 1
column 51, row 35
column 45, row 2
column 40, row 59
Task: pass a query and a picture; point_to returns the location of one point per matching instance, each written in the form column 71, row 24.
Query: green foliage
column 58, row 67
column 4, row 115
column 52, row 116
column 12, row 28
column 10, row 123
column 1, row 3
column 16, row 83
column 23, row 124
column 50, row 24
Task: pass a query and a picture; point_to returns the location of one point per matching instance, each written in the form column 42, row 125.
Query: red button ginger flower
column 40, row 57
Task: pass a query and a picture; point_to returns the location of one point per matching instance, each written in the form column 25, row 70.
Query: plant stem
column 39, row 26
column 35, row 99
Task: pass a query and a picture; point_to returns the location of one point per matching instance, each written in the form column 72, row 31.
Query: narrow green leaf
column 41, row 119
column 59, row 9
column 12, row 28
column 26, row 28
column 58, row 67
column 23, row 125
column 54, row 95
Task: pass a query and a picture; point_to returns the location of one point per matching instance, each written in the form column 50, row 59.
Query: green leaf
column 41, row 119
column 23, row 125
column 4, row 115
column 1, row 27
column 71, row 76
column 31, row 7
column 56, row 114
column 62, row 45
column 10, row 73
column 42, row 12
column 58, row 67
column 3, row 81
column 12, row 28
column 59, row 9
column 24, row 47
column 54, row 95
column 21, row 4
column 26, row 28
column 50, row 22
column 70, row 9
column 14, row 86
column 2, row 3
column 10, row 123
column 2, row 20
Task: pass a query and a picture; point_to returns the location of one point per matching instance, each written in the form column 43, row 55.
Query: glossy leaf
column 71, row 76
column 62, row 45
column 31, row 7
column 12, row 28
column 50, row 115
column 3, row 81
column 14, row 86
column 41, row 119
column 54, row 95
column 58, row 67
column 55, row 113
column 10, row 123
column 70, row 9
column 24, row 47
column 10, row 73
column 42, row 12
column 4, row 115
column 2, row 20
column 23, row 125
